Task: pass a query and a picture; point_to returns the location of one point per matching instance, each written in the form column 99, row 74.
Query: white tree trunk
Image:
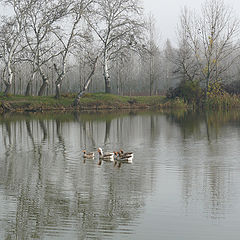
column 45, row 83
column 87, row 82
column 106, row 75
column 8, row 83
column 60, row 78
column 29, row 85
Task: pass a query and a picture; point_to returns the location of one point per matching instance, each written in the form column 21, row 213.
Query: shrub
column 232, row 88
column 191, row 92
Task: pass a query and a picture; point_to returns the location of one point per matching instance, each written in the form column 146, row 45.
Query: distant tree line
column 51, row 47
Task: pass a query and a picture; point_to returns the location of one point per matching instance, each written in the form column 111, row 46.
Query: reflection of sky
column 182, row 183
column 7, row 205
column 210, row 208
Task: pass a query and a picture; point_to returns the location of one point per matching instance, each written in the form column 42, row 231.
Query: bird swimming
column 107, row 156
column 124, row 158
column 88, row 155
column 122, row 153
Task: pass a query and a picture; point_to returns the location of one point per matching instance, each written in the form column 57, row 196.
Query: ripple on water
column 182, row 184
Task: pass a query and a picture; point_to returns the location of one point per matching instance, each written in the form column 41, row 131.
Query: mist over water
column 183, row 182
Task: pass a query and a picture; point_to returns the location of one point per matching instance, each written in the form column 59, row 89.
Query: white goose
column 107, row 156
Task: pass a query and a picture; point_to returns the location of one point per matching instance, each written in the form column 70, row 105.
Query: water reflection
column 47, row 190
column 210, row 143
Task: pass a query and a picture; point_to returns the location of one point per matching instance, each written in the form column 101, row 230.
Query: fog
column 166, row 14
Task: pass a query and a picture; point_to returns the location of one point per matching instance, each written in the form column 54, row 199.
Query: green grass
column 114, row 100
column 36, row 101
column 90, row 101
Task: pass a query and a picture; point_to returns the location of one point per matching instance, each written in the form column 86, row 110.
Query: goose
column 88, row 155
column 116, row 155
column 106, row 156
column 122, row 153
column 124, row 158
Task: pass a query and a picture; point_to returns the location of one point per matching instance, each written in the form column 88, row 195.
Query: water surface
column 184, row 182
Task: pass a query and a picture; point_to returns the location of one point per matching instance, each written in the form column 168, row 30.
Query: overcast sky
column 167, row 12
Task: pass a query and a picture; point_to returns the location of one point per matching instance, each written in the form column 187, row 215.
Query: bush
column 187, row 90
column 215, row 89
column 218, row 97
column 232, row 88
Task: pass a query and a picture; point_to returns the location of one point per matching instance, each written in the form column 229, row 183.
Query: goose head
column 100, row 151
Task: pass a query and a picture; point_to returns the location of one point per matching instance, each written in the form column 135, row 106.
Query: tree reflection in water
column 41, row 169
column 212, row 181
column 47, row 189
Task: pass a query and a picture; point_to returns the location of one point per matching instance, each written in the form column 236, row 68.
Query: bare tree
column 41, row 22
column 70, row 39
column 211, row 38
column 11, row 30
column 118, row 25
column 183, row 58
column 152, row 52
column 93, row 63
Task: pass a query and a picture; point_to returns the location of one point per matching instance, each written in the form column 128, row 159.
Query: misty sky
column 167, row 12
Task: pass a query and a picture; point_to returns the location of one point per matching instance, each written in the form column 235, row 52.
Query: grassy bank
column 89, row 102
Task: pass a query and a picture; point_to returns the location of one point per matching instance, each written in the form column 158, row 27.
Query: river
column 184, row 182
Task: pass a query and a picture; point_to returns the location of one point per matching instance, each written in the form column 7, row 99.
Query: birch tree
column 11, row 30
column 118, row 26
column 41, row 22
column 71, row 38
column 92, row 63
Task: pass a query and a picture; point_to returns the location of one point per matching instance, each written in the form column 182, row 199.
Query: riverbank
column 89, row 102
